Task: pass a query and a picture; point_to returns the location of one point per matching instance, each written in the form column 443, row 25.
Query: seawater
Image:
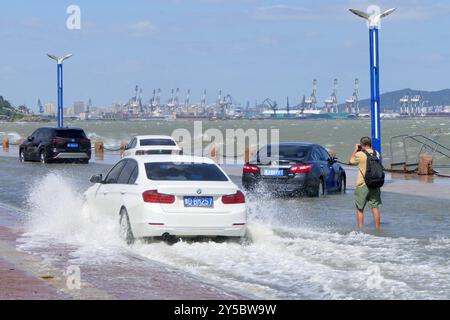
column 300, row 249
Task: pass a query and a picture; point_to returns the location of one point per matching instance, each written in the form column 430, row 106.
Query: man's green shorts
column 364, row 196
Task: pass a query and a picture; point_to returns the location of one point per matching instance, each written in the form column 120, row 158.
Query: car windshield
column 170, row 171
column 285, row 152
column 70, row 134
column 157, row 142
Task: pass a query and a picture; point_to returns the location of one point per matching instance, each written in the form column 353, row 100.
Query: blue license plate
column 72, row 145
column 198, row 202
column 274, row 173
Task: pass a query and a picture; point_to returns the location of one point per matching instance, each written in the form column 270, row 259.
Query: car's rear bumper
column 142, row 230
column 151, row 221
column 299, row 183
column 71, row 155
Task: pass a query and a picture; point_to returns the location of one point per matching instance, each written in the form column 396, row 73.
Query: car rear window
column 170, row 171
column 294, row 152
column 71, row 134
column 291, row 152
column 157, row 152
column 157, row 142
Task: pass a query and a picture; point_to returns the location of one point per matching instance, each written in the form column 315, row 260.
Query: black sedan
column 294, row 168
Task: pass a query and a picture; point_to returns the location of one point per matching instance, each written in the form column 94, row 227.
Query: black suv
column 52, row 145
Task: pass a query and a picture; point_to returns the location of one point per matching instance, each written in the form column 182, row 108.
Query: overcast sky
column 252, row 49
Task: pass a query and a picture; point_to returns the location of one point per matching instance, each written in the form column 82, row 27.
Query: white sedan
column 169, row 196
column 149, row 145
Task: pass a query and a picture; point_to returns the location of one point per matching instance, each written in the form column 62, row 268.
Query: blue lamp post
column 374, row 26
column 60, row 62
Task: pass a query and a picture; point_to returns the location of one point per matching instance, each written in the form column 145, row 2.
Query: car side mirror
column 333, row 160
column 30, row 138
column 98, row 178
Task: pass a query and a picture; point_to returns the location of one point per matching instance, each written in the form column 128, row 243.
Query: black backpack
column 375, row 176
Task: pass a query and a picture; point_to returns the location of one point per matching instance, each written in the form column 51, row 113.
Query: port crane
column 187, row 101
column 405, row 105
column 311, row 102
column 288, row 106
column 220, row 105
column 303, row 103
column 331, row 104
column 417, row 104
column 203, row 103
column 412, row 105
column 177, row 99
column 227, row 104
column 153, row 101
column 272, row 104
column 171, row 103
column 158, row 100
column 352, row 103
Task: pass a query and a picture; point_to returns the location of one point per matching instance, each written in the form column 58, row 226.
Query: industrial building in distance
column 399, row 104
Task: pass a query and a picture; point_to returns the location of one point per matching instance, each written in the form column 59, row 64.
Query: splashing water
column 284, row 260
column 57, row 209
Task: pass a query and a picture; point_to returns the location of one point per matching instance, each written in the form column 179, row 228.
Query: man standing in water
column 364, row 195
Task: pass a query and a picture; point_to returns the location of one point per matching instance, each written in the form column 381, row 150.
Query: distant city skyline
column 252, row 49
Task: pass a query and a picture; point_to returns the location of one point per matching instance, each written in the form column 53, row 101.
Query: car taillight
column 304, row 168
column 140, row 152
column 248, row 168
column 57, row 140
column 153, row 196
column 236, row 198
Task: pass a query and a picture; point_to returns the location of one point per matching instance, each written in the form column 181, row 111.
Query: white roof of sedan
column 159, row 147
column 154, row 137
column 172, row 158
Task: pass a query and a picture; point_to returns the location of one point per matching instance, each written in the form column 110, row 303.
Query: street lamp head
column 360, row 14
column 59, row 60
column 51, row 56
column 67, row 57
column 374, row 19
column 387, row 12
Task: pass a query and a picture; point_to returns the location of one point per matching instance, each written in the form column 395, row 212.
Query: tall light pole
column 374, row 26
column 60, row 62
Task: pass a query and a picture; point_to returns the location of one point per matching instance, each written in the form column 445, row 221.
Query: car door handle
column 122, row 192
column 105, row 193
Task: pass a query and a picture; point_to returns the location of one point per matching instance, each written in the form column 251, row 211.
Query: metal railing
column 428, row 145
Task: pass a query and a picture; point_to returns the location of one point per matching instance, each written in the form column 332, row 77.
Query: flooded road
column 301, row 249
column 337, row 135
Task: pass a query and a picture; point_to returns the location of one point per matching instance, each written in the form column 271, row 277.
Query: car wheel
column 248, row 186
column 245, row 240
column 22, row 156
column 42, row 157
column 342, row 185
column 125, row 227
column 321, row 190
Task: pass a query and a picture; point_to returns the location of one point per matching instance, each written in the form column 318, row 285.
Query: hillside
column 391, row 100
column 7, row 111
